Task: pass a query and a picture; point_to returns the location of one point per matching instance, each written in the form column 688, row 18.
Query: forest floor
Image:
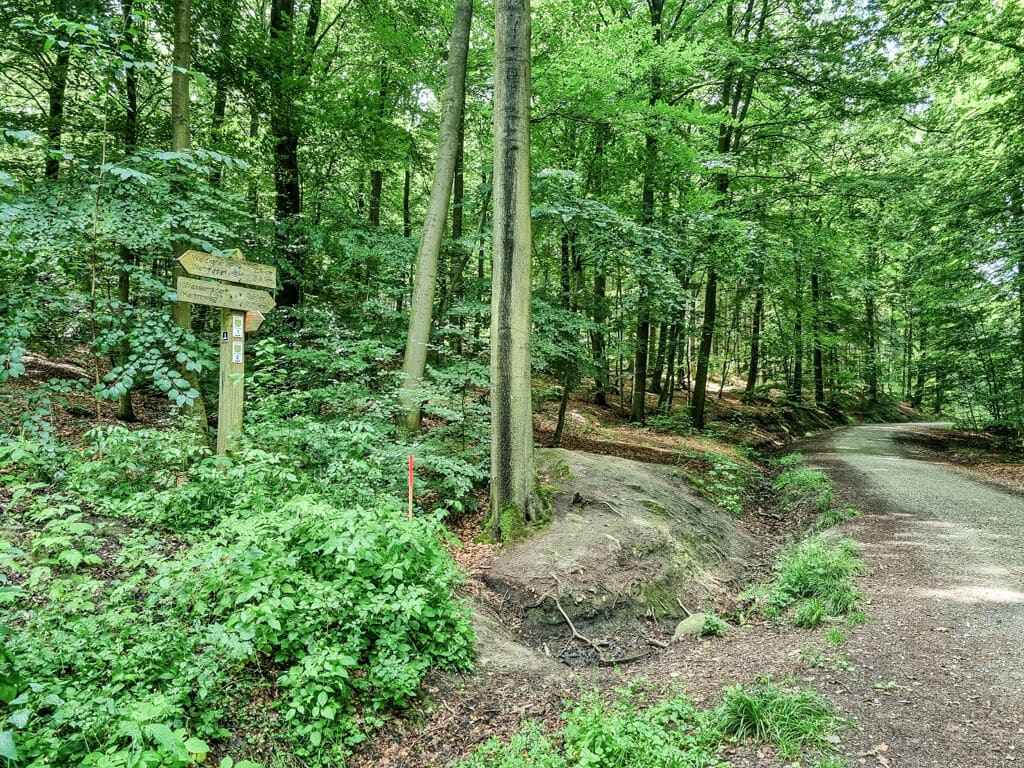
column 934, row 678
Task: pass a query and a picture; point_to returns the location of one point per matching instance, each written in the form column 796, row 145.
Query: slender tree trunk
column 659, row 359
column 707, row 335
column 125, row 412
column 513, row 476
column 568, row 368
column 727, row 347
column 597, row 339
column 284, row 127
column 819, row 372
column 918, row 396
column 798, row 337
column 665, row 398
column 181, row 140
column 425, row 279
column 643, row 328
column 871, row 364
column 755, row 340
column 55, row 120
column 376, row 189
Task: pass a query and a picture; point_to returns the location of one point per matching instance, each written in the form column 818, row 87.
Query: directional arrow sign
column 234, row 271
column 253, row 321
column 223, row 295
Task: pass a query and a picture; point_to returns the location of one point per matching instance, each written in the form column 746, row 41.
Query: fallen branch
column 575, row 633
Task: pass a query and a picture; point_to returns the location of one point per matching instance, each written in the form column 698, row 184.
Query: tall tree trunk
column 597, row 339
column 220, row 93
column 376, row 189
column 643, row 328
column 819, row 372
column 568, row 368
column 55, row 120
column 284, row 127
column 707, row 335
column 181, row 140
column 918, row 396
column 425, row 279
column 659, row 359
column 798, row 337
column 871, row 363
column 125, row 412
column 513, row 476
column 755, row 340
column 665, row 398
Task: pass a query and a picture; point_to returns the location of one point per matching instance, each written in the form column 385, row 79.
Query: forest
column 484, row 219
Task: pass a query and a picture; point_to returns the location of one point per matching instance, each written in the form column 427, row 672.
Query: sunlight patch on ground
column 976, row 594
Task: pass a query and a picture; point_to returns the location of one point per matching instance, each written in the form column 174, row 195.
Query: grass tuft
column 791, row 720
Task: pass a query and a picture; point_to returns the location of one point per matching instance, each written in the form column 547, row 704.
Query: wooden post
column 232, row 378
column 241, row 312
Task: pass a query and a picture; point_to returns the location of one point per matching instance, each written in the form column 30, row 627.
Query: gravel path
column 939, row 677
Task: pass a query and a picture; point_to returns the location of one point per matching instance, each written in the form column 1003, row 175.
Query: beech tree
column 421, row 307
column 513, row 477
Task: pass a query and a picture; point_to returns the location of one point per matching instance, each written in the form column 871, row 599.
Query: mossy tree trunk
column 513, row 475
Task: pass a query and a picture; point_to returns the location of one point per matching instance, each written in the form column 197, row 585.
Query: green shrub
column 809, row 614
column 815, row 569
column 349, row 608
column 724, row 484
column 714, row 625
column 835, row 637
column 627, row 732
column 528, row 748
column 765, row 713
column 835, row 515
column 800, row 483
column 789, row 460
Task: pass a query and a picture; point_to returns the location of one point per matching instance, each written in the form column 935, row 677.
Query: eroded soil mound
column 630, row 544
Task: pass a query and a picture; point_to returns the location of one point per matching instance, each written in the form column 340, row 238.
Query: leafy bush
column 766, row 713
column 724, row 484
column 344, row 609
column 714, row 625
column 353, row 604
column 809, row 614
column 800, row 482
column 624, row 733
column 789, row 460
column 815, row 569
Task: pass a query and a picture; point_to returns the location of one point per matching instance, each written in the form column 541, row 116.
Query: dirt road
column 939, row 676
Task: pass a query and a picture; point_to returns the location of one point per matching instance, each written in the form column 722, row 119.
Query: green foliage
column 714, row 625
column 834, row 515
column 816, row 570
column 142, row 647
column 835, row 637
column 766, row 713
column 800, row 482
column 629, row 731
column 10, row 685
column 808, row 613
column 725, row 483
column 790, row 460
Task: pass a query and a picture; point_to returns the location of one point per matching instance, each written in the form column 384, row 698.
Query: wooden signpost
column 241, row 312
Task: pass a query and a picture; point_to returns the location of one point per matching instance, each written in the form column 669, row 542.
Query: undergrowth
column 813, row 581
column 631, row 732
column 166, row 603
